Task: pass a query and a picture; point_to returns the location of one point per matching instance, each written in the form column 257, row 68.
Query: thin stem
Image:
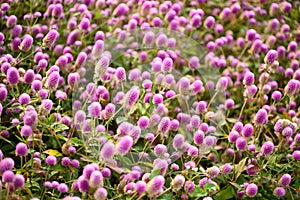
column 212, row 99
column 243, row 107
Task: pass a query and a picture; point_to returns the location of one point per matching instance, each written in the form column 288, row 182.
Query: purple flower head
column 21, row 149
column 13, row 75
column 178, row 141
column 94, row 109
column 26, row 43
column 6, row 164
column 279, row 192
column 285, row 180
column 107, row 150
column 132, row 96
column 164, row 125
column 213, row 172
column 8, row 176
column 178, row 182
column 53, row 80
column 271, row 56
column 51, row 160
column 155, row 185
column 267, row 148
column 124, row 145
column 251, row 190
column 241, row 143
column 261, row 117
column 50, row 38
column 18, row 181
column 96, row 179
column 222, row 84
column 296, row 155
column 120, row 74
column 100, row 194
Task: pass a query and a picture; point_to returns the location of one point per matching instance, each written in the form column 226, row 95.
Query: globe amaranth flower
column 21, row 149
column 178, row 182
column 251, row 190
column 155, row 185
column 50, row 38
column 107, row 151
column 26, row 43
column 285, row 180
column 100, row 194
column 267, row 148
column 124, row 145
column 279, row 192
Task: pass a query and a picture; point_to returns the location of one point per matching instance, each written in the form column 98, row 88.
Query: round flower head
column 83, row 184
column 247, row 130
column 21, row 149
column 26, row 43
column 157, row 99
column 251, row 190
column 178, row 141
column 143, row 122
column 155, row 185
column 8, row 176
column 233, row 136
column 26, row 130
column 178, row 182
column 213, row 172
column 261, row 117
column 62, row 188
column 222, row 84
column 84, row 24
column 226, row 168
column 199, row 137
column 11, row 21
column 276, row 95
column 120, row 74
column 6, row 164
column 12, row 75
column 285, row 180
column 164, row 124
column 124, row 145
column 209, row 22
column 291, row 87
column 296, row 155
column 279, row 192
column 132, row 96
column 80, row 116
column 53, row 80
column 95, row 109
column 267, row 148
column 51, row 160
column 107, row 151
column 167, row 65
column 241, row 143
column 50, row 38
column 160, row 150
column 148, row 38
column 161, row 40
column 18, row 181
column 24, row 98
column 106, row 172
column 98, row 49
column 271, row 56
column 96, row 179
column 248, row 78
column 100, row 194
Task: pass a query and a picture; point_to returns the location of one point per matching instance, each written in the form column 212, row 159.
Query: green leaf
column 53, row 152
column 209, row 186
column 119, row 120
column 228, row 193
column 165, row 197
column 154, row 173
column 59, row 127
column 198, row 192
column 240, row 167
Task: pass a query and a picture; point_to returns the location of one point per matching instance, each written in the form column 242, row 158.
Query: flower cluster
column 138, row 99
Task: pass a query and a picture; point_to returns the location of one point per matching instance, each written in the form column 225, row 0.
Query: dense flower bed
column 108, row 99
